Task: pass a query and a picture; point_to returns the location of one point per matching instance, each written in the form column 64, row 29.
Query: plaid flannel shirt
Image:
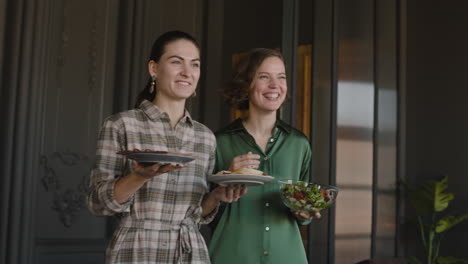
column 160, row 222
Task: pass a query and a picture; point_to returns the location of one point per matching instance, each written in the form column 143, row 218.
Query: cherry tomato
column 298, row 196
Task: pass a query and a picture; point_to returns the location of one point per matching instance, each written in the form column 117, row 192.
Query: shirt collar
column 154, row 112
column 237, row 125
column 283, row 125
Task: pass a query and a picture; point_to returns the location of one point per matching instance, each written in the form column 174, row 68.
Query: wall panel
column 65, row 66
column 80, row 47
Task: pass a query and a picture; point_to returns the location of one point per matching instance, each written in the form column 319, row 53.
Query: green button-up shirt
column 259, row 228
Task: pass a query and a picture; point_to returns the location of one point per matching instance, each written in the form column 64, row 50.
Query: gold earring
column 153, row 84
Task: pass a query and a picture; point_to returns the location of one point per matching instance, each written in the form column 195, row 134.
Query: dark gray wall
column 258, row 25
column 64, row 66
column 233, row 26
column 436, row 108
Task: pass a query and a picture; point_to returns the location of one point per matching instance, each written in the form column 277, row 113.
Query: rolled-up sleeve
column 209, row 217
column 108, row 168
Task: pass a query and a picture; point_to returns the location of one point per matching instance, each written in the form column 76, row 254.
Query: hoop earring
column 153, row 84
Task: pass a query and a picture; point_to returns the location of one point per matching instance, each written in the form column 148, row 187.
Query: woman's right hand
column 126, row 186
column 154, row 170
column 248, row 160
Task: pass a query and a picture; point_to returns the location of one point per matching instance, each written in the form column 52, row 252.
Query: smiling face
column 177, row 71
column 269, row 87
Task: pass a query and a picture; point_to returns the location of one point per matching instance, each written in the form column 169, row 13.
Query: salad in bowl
column 309, row 197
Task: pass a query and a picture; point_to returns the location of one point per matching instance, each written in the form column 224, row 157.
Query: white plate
column 245, row 179
column 143, row 157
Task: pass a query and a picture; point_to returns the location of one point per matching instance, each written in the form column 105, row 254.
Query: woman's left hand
column 305, row 216
column 229, row 194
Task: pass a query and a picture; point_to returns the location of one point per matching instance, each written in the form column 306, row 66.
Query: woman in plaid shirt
column 160, row 206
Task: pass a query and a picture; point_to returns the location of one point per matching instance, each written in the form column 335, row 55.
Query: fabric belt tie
column 184, row 235
column 184, row 227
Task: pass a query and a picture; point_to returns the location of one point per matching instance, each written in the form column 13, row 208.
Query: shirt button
column 265, row 158
column 265, row 252
column 267, row 228
column 267, row 204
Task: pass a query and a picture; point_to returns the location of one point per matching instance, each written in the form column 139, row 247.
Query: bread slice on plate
column 247, row 171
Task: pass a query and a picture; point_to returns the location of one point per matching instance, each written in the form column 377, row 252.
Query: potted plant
column 430, row 201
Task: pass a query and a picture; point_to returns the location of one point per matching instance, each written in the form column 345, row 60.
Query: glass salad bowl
column 304, row 196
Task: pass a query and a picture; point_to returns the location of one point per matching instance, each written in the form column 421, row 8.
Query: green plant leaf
column 451, row 260
column 431, row 196
column 413, row 260
column 441, row 198
column 448, row 222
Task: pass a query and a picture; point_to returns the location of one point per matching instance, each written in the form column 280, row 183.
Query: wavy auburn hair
column 236, row 90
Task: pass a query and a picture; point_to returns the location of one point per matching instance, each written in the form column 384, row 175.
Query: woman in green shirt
column 259, row 228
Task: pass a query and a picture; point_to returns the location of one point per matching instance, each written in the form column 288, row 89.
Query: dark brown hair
column 236, row 91
column 158, row 49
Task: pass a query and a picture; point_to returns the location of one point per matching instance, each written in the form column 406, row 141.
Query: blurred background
column 378, row 86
